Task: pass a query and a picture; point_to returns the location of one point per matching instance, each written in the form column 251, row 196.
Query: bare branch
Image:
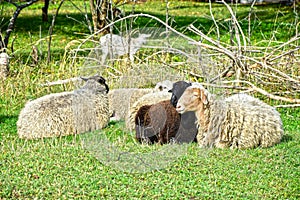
column 287, row 106
column 281, row 46
column 265, row 93
column 213, row 18
column 13, row 19
column 284, row 54
column 51, row 30
column 264, row 65
column 236, row 23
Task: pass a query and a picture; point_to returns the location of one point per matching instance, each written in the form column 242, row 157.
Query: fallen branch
column 288, row 106
column 284, row 54
column 60, row 82
column 263, row 92
column 267, row 58
column 266, row 66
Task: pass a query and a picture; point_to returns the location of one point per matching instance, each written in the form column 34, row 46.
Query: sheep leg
column 103, row 58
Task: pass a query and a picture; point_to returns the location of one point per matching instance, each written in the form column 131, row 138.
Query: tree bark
column 45, row 11
column 99, row 9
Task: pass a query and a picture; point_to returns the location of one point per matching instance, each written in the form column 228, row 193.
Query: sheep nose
column 178, row 107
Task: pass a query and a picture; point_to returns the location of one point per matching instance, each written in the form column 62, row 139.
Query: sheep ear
column 204, row 96
column 101, row 80
column 83, row 78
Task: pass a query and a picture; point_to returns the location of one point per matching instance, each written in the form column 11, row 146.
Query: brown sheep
column 157, row 123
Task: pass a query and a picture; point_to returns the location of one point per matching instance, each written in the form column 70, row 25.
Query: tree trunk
column 99, row 9
column 45, row 11
column 12, row 21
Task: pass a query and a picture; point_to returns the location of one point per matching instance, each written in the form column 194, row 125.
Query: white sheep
column 4, row 65
column 121, row 99
column 116, row 45
column 165, row 85
column 66, row 113
column 231, row 123
column 247, row 99
column 147, row 99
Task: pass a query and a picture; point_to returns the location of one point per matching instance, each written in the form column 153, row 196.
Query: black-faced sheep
column 188, row 130
column 116, row 45
column 160, row 123
column 66, row 113
column 177, row 90
column 231, row 123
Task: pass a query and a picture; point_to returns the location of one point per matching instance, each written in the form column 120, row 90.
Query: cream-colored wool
column 120, row 100
column 147, row 99
column 237, row 122
column 65, row 113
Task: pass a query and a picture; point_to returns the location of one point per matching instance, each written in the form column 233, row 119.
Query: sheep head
column 194, row 98
column 164, row 85
column 98, row 79
column 177, row 90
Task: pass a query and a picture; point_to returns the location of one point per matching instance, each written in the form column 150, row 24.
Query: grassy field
column 69, row 168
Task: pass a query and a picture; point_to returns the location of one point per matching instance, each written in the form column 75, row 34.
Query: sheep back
column 243, row 98
column 63, row 114
column 120, row 100
column 241, row 125
column 142, row 120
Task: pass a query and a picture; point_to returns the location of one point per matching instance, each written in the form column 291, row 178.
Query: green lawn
column 72, row 168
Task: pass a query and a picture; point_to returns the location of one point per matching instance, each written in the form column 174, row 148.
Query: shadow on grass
column 286, row 138
column 8, row 118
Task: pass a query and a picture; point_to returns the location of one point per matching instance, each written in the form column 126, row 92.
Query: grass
column 61, row 168
column 69, row 168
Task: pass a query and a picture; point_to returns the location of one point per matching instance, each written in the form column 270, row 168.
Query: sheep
column 188, row 130
column 161, row 123
column 121, row 99
column 247, row 99
column 177, row 90
column 147, row 99
column 59, row 114
column 4, row 65
column 230, row 123
column 116, row 45
column 157, row 123
column 165, row 85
